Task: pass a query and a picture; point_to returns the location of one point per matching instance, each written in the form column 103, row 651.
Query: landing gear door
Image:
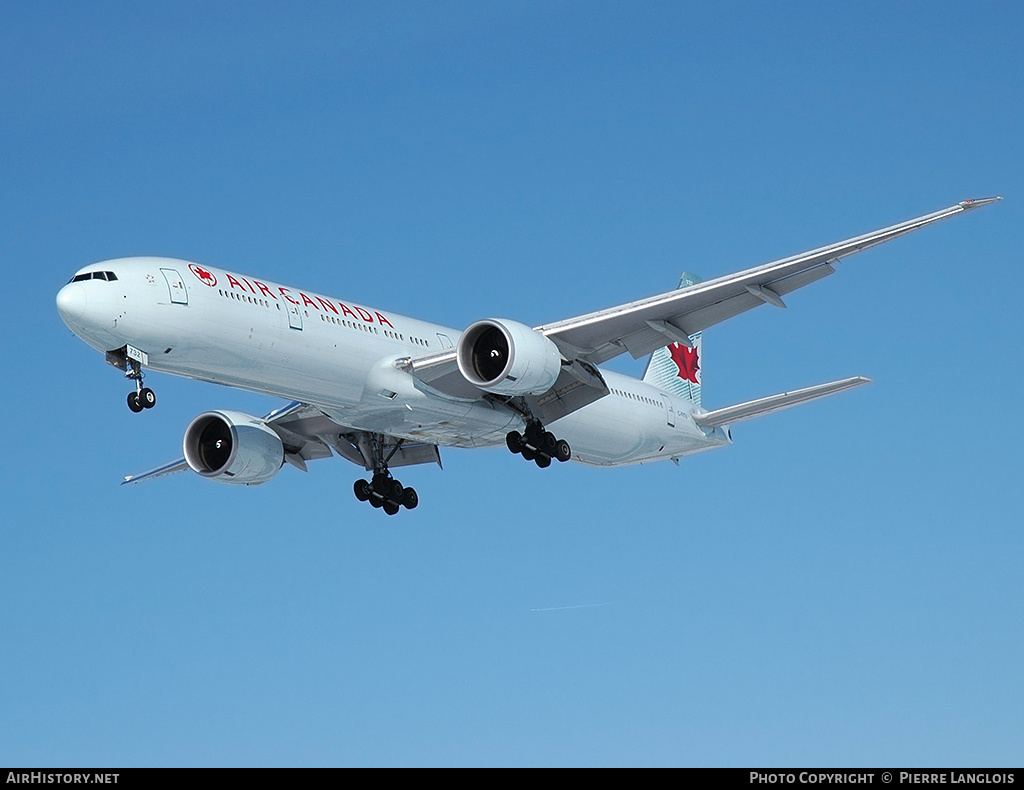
column 670, row 413
column 176, row 286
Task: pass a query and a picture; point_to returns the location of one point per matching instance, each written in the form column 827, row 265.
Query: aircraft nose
column 71, row 302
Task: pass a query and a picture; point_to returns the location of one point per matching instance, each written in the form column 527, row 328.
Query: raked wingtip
column 975, row 202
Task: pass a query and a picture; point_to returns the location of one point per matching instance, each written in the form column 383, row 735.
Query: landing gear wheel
column 536, row 444
column 381, row 490
column 147, row 398
column 133, row 402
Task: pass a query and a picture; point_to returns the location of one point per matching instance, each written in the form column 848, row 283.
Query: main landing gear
column 143, row 397
column 385, row 492
column 382, row 490
column 538, row 445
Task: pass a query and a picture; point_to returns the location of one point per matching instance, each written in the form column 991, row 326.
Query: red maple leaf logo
column 686, row 360
column 202, row 274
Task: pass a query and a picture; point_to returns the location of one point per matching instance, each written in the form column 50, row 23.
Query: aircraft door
column 294, row 316
column 670, row 413
column 444, row 340
column 176, row 286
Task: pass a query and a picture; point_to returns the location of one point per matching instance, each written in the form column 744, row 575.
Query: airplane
column 384, row 391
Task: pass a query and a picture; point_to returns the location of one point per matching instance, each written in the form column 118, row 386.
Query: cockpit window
column 93, row 276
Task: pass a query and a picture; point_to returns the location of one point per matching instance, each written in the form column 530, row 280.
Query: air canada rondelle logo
column 204, row 275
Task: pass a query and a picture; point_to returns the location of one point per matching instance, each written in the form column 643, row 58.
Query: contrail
column 563, row 608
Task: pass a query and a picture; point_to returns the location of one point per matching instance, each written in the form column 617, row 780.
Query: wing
column 167, row 469
column 307, row 434
column 643, row 326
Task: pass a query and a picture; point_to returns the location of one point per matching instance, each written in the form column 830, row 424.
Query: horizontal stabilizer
column 755, row 408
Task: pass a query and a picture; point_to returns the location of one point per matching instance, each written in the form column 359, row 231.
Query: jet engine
column 508, row 358
column 232, row 447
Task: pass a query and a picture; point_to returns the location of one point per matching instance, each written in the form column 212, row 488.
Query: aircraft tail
column 675, row 368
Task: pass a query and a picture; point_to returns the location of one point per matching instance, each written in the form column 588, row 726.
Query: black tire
column 543, row 461
column 529, row 454
column 410, row 500
column 396, row 491
column 380, row 484
column 390, row 508
column 376, row 501
column 133, row 402
column 514, row 440
column 548, row 443
column 534, row 434
column 362, row 490
column 147, row 398
column 563, row 452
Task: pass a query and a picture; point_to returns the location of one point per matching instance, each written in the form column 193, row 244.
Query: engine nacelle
column 232, row 447
column 508, row 358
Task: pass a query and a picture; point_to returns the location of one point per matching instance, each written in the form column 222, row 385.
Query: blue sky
column 840, row 587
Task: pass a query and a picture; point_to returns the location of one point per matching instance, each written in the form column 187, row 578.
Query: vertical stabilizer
column 675, row 368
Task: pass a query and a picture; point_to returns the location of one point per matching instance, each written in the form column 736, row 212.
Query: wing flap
column 301, row 427
column 355, row 447
column 785, row 285
column 316, row 433
column 578, row 384
column 755, row 408
column 439, row 371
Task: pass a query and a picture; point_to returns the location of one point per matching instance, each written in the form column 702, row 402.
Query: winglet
column 975, row 202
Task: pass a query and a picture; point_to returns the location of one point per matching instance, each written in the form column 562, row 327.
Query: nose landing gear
column 143, row 397
column 538, row 445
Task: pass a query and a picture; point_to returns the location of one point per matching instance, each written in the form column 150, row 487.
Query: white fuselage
column 217, row 326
